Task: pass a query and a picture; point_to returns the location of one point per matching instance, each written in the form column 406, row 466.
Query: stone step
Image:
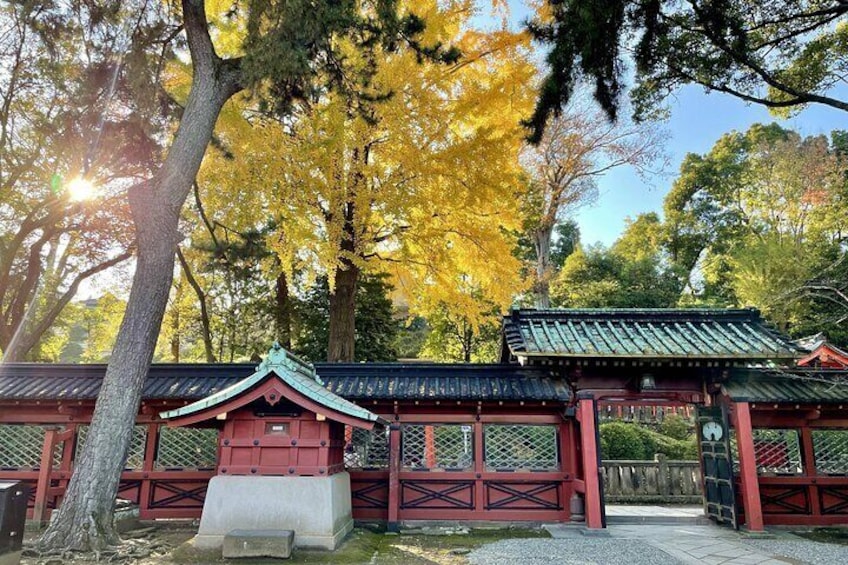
column 658, row 520
column 258, row 543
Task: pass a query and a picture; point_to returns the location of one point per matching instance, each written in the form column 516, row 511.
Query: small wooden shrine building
column 511, row 441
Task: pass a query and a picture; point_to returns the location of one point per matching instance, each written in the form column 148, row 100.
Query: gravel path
column 593, row 551
column 801, row 550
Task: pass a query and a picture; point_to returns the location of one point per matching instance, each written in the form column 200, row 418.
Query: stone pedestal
column 317, row 509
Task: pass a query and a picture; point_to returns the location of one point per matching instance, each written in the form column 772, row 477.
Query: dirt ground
column 165, row 544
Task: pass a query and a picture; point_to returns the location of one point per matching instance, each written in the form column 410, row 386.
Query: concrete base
column 258, row 543
column 317, row 509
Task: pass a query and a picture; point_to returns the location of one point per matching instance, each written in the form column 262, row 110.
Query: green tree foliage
column 781, row 54
column 566, row 238
column 633, row 273
column 676, row 426
column 453, row 337
column 376, row 327
column 411, row 338
column 759, row 221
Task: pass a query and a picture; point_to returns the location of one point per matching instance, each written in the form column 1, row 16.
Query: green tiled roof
column 295, row 372
column 644, row 333
column 789, row 385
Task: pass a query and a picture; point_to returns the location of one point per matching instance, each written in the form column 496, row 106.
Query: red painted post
column 748, row 468
column 147, row 469
column 39, row 511
column 479, row 467
column 591, row 472
column 392, row 524
column 429, row 447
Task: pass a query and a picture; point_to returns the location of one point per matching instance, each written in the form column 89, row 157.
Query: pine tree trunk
column 544, row 271
column 343, row 316
column 84, row 521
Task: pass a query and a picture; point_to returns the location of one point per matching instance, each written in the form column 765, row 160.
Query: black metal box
column 13, row 509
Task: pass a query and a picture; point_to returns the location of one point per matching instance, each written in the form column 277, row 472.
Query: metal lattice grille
column 187, row 448
column 830, row 448
column 778, row 452
column 438, row 447
column 368, row 449
column 517, row 447
column 135, row 459
column 20, row 447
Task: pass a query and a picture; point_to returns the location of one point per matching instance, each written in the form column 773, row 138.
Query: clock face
column 712, row 431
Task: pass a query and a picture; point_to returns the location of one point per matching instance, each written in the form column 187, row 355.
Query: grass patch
column 366, row 547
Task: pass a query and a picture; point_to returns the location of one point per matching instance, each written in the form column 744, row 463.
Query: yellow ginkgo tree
column 419, row 182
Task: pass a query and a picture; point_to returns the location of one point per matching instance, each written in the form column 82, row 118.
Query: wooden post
column 591, row 471
column 39, row 511
column 748, row 468
column 392, row 524
column 663, row 479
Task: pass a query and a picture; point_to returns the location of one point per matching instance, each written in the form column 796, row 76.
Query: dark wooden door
column 716, row 465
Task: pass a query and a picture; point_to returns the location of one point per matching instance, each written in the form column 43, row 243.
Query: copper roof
column 645, row 333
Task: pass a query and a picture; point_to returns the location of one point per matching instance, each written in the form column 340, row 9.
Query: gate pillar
column 586, row 413
column 748, row 467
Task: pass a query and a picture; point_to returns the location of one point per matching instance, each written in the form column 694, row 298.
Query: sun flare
column 80, row 190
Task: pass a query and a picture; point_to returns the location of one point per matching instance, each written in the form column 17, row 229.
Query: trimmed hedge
column 621, row 440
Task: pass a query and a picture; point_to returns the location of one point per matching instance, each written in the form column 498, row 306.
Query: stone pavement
column 705, row 544
column 669, row 544
column 646, row 514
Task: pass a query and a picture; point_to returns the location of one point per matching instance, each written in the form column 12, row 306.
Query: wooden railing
column 658, row 481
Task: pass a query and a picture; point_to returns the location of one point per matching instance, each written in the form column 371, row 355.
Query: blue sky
column 696, row 121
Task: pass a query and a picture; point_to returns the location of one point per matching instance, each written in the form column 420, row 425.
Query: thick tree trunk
column 84, row 520
column 343, row 315
column 282, row 313
column 544, row 271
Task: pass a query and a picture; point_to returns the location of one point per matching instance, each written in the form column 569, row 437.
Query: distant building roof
column 822, row 353
column 360, row 381
column 644, row 333
column 811, row 342
column 791, row 385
